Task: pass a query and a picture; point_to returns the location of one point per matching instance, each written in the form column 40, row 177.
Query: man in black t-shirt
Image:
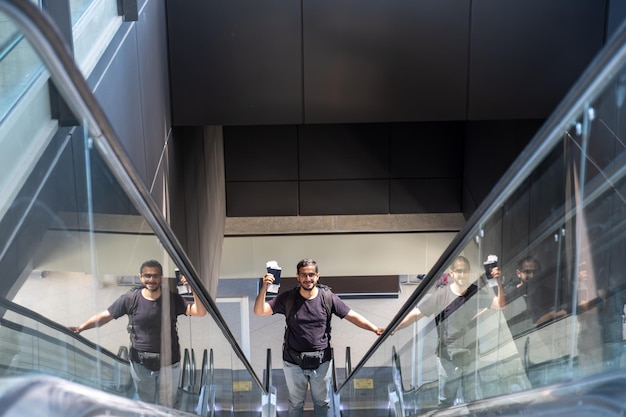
column 456, row 306
column 306, row 351
column 154, row 353
column 538, row 292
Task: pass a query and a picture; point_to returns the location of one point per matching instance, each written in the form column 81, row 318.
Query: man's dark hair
column 462, row 259
column 151, row 264
column 529, row 259
column 306, row 262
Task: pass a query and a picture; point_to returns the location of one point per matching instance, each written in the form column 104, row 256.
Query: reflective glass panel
column 72, row 246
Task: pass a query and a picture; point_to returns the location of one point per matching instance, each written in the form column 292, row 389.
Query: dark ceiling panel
column 344, row 151
column 261, row 153
column 394, row 60
column 434, row 195
column 526, row 54
column 319, row 198
column 235, row 62
column 427, row 150
column 249, row 199
column 490, row 149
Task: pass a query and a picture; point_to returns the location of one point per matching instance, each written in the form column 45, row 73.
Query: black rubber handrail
column 268, row 370
column 204, row 373
column 43, row 320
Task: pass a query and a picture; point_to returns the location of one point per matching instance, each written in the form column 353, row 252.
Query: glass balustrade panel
column 553, row 310
column 71, row 244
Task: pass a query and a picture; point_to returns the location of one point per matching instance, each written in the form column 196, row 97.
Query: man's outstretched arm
column 97, row 320
column 358, row 320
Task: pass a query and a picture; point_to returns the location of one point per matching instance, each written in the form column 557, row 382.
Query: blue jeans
column 157, row 387
column 299, row 379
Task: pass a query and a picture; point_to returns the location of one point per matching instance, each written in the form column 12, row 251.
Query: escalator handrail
column 268, row 370
column 45, row 38
column 43, row 337
column 25, row 312
column 211, row 368
column 334, row 385
column 597, row 75
column 185, row 373
column 204, row 372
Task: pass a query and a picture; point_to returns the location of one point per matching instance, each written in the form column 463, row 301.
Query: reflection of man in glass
column 154, row 354
column 456, row 307
column 537, row 290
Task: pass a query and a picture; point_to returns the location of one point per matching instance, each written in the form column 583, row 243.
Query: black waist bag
column 306, row 360
column 150, row 360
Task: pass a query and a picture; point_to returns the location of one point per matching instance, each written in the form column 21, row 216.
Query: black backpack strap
column 327, row 300
column 327, row 303
column 289, row 302
column 131, row 302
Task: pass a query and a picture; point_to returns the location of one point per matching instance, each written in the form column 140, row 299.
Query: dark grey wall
column 366, row 61
column 525, row 55
column 490, row 148
column 372, row 61
column 235, row 62
column 131, row 82
column 382, row 168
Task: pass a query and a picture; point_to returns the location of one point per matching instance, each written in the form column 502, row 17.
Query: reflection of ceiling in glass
column 115, row 253
column 106, row 223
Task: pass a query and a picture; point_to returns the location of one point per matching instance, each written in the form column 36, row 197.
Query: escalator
column 33, row 344
column 38, row 356
column 79, row 199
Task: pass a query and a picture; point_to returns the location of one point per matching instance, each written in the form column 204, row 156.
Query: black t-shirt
column 540, row 296
column 146, row 317
column 307, row 324
column 455, row 315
